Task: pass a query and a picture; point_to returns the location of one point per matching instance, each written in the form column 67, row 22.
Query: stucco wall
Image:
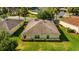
column 42, row 37
column 69, row 26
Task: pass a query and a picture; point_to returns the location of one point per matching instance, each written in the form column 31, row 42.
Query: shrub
column 46, row 14
column 61, row 17
column 7, row 43
column 70, row 30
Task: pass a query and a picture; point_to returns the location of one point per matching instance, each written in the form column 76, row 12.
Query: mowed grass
column 70, row 42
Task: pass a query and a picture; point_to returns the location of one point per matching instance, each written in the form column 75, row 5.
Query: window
column 48, row 37
column 37, row 36
column 24, row 36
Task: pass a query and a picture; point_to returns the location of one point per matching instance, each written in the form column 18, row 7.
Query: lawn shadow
column 41, row 40
column 62, row 36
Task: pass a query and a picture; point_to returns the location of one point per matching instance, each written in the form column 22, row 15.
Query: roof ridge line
column 32, row 26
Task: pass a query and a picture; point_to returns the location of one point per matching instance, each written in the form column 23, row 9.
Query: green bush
column 70, row 30
column 46, row 14
column 61, row 17
column 7, row 43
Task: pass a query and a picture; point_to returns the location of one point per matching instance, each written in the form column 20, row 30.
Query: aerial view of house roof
column 9, row 24
column 73, row 20
column 41, row 27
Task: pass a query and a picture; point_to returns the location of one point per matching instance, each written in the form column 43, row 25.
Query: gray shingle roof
column 10, row 23
column 41, row 27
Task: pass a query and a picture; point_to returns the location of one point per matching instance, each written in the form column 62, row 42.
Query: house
column 10, row 25
column 71, row 22
column 63, row 12
column 40, row 30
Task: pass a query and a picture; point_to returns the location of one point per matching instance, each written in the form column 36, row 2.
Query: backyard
column 69, row 42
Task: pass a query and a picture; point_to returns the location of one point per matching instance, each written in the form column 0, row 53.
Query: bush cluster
column 70, row 30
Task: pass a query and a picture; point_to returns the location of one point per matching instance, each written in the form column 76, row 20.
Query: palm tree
column 73, row 10
column 46, row 13
column 70, row 10
column 56, row 11
column 22, row 11
column 12, row 11
column 7, row 43
column 76, row 11
column 4, row 12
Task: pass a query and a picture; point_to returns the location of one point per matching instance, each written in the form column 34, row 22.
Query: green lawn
column 69, row 42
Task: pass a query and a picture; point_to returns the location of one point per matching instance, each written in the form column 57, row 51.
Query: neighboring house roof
column 9, row 23
column 73, row 20
column 41, row 27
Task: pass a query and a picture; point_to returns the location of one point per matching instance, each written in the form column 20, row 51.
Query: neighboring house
column 11, row 25
column 40, row 30
column 71, row 22
column 63, row 12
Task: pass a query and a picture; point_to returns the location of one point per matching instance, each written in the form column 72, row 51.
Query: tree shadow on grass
column 62, row 35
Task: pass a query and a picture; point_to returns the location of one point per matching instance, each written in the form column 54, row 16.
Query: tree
column 76, row 11
column 70, row 10
column 8, row 11
column 4, row 12
column 12, row 11
column 46, row 14
column 73, row 10
column 56, row 11
column 7, row 43
column 22, row 11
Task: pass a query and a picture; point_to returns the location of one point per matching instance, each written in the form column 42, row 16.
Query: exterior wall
column 69, row 26
column 15, row 28
column 42, row 37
